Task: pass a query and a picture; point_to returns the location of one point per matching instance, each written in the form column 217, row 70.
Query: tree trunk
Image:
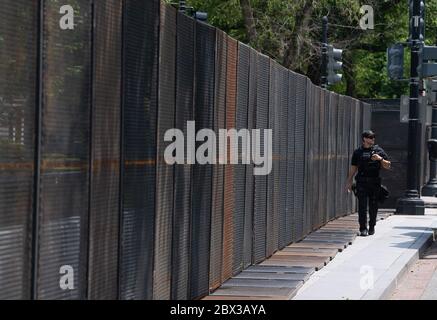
column 349, row 73
column 248, row 20
column 292, row 55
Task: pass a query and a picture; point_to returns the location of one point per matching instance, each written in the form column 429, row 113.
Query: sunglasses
column 373, row 138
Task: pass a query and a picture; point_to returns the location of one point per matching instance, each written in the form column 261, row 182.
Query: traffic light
column 427, row 66
column 334, row 64
column 395, row 61
column 420, row 20
column 200, row 15
column 182, row 6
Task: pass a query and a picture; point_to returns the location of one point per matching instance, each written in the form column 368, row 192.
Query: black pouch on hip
column 383, row 193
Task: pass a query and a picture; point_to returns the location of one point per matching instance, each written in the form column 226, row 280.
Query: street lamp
column 324, row 73
column 411, row 203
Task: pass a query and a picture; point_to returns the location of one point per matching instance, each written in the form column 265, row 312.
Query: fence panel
column 317, row 174
column 343, row 135
column 182, row 186
column 250, row 180
column 164, row 172
column 218, row 169
column 202, row 174
column 18, row 52
column 140, row 102
column 260, row 190
column 229, row 204
column 336, row 157
column 308, row 140
column 367, row 116
column 273, row 177
column 349, row 137
column 333, row 187
column 292, row 222
column 300, row 165
column 326, row 160
column 240, row 169
column 105, row 152
column 285, row 232
column 324, row 166
column 65, row 139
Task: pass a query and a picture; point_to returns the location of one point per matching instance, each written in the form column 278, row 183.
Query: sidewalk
column 281, row 275
column 420, row 282
column 373, row 265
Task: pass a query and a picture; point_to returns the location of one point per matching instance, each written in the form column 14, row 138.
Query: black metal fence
column 83, row 182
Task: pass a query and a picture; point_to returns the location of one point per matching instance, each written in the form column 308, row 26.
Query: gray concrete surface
column 372, row 266
column 431, row 289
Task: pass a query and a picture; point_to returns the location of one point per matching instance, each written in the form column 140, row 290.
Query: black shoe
column 371, row 230
column 364, row 233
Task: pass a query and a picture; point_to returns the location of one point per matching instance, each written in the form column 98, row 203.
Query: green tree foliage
column 289, row 31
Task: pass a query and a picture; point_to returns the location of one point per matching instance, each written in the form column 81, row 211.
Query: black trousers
column 367, row 193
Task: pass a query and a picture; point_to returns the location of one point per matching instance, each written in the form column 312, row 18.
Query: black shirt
column 362, row 159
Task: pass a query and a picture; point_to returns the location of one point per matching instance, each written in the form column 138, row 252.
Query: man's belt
column 369, row 179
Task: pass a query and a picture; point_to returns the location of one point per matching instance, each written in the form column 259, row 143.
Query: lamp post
column 182, row 6
column 324, row 73
column 411, row 203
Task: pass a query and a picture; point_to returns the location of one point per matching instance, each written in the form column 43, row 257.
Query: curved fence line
column 83, row 181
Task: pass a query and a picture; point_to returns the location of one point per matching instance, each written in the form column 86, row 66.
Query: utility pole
column 182, row 6
column 324, row 73
column 331, row 60
column 411, row 203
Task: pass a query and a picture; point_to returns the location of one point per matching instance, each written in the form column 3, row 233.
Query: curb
column 388, row 282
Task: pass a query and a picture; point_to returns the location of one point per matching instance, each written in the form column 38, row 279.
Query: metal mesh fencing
column 249, row 198
column 241, row 116
column 218, row 169
column 298, row 215
column 164, row 172
column 260, row 181
column 105, row 152
column 184, row 112
column 228, row 193
column 18, row 84
column 139, row 119
column 62, row 221
column 285, row 230
column 202, row 174
column 85, row 186
column 273, row 178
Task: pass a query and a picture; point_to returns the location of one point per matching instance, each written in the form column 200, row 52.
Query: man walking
column 367, row 160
